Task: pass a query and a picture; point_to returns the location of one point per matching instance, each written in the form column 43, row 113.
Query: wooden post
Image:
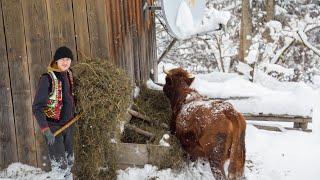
column 8, row 146
column 39, row 56
column 20, row 83
column 302, row 125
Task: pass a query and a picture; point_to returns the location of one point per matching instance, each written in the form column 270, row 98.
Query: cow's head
column 176, row 78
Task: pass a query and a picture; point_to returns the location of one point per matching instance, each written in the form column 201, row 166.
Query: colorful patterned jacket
column 53, row 104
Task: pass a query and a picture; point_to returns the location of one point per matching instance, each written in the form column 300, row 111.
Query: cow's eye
column 168, row 81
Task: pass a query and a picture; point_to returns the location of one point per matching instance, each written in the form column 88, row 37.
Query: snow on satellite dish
column 185, row 18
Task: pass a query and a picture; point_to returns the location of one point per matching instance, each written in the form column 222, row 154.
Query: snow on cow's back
column 195, row 101
column 198, row 108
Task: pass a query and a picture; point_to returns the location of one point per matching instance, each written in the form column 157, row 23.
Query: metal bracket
column 150, row 8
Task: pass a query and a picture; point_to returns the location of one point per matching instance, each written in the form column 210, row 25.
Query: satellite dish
column 184, row 18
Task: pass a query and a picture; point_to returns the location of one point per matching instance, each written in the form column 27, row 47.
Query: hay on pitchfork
column 103, row 94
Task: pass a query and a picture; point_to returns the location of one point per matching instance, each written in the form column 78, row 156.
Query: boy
column 53, row 106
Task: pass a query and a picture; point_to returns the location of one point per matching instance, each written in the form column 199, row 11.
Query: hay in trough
column 103, row 94
column 156, row 106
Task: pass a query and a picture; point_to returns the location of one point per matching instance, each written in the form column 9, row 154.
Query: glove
column 49, row 136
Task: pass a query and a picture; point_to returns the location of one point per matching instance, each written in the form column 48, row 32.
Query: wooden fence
column 31, row 30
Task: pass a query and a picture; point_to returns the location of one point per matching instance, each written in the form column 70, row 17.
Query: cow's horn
column 191, row 75
column 166, row 71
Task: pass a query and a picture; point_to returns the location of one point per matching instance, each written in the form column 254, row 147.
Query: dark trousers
column 61, row 152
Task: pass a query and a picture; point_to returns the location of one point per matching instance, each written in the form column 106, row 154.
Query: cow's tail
column 238, row 150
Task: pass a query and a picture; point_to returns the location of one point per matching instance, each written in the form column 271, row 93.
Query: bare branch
column 276, row 58
column 303, row 38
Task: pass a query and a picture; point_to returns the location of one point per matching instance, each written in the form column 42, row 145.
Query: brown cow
column 206, row 128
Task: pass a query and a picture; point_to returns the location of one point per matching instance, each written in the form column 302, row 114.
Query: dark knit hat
column 62, row 52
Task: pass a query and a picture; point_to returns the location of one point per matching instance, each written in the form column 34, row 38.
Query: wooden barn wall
column 132, row 37
column 30, row 31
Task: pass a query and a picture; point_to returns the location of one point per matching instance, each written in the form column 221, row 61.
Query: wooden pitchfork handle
column 69, row 123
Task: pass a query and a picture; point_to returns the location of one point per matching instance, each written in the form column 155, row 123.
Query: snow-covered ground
column 24, row 172
column 291, row 155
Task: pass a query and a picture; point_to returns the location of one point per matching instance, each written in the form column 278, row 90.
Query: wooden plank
column 112, row 29
column 135, row 39
column 98, row 28
column 81, row 28
column 111, row 48
column 113, row 26
column 8, row 146
column 61, row 25
column 128, row 50
column 132, row 154
column 39, row 56
column 278, row 129
column 268, row 127
column 121, row 33
column 20, row 83
column 281, row 118
column 127, row 44
column 141, row 39
column 157, row 153
column 143, row 57
column 118, row 35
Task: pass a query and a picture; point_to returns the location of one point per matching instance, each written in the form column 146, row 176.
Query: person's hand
column 49, row 136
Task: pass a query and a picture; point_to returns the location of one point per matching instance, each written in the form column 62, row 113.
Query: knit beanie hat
column 62, row 52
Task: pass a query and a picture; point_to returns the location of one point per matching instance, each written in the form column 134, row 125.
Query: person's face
column 64, row 64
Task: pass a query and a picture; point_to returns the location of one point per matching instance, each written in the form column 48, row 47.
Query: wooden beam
column 147, row 119
column 281, row 118
column 140, row 131
column 139, row 115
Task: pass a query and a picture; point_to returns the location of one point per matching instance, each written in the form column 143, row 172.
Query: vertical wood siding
column 19, row 79
column 8, row 144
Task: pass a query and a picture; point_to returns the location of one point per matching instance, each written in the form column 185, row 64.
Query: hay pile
column 103, row 94
column 156, row 106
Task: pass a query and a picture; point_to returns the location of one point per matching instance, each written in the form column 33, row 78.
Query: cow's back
column 202, row 125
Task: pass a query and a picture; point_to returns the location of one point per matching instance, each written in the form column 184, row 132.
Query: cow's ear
column 189, row 81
